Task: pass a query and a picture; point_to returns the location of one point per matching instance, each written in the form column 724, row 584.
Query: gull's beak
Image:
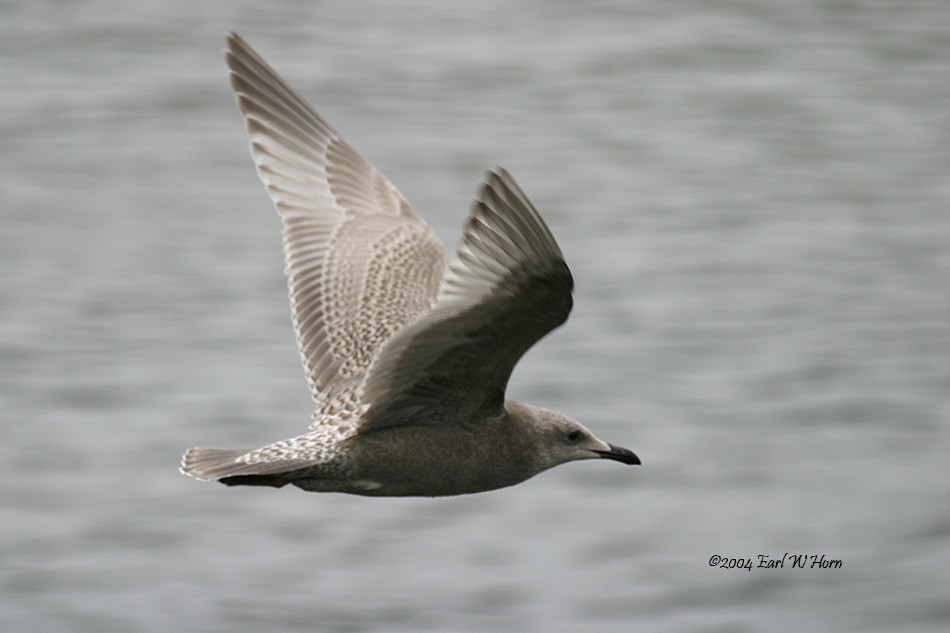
column 619, row 454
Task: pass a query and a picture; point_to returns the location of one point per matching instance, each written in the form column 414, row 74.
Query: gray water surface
column 753, row 197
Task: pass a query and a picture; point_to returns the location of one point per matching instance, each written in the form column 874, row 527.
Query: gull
column 407, row 356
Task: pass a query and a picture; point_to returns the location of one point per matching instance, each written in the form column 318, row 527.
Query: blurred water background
column 754, row 197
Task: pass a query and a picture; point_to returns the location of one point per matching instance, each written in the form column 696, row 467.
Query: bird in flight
column 407, row 356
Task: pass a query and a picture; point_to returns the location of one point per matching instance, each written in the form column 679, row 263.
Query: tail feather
column 213, row 463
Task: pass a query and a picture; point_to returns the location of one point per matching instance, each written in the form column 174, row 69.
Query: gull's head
column 559, row 439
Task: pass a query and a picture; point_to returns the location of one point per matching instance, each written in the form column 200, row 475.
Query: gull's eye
column 575, row 436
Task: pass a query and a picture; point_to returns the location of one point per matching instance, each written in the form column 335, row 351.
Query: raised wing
column 360, row 263
column 507, row 287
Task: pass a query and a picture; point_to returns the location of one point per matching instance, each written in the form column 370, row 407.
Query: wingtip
column 236, row 47
column 495, row 176
column 232, row 42
column 495, row 179
column 500, row 179
column 232, row 38
column 500, row 172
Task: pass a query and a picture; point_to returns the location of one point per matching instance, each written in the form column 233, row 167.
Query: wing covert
column 507, row 287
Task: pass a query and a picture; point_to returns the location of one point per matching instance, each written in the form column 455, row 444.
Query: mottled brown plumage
column 407, row 359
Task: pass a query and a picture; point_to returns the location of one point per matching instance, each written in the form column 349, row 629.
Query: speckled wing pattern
column 360, row 263
column 507, row 286
column 388, row 335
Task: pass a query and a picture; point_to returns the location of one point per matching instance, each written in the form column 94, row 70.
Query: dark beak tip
column 620, row 454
